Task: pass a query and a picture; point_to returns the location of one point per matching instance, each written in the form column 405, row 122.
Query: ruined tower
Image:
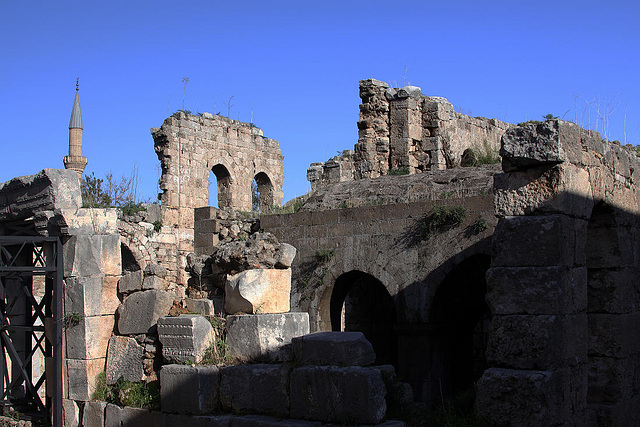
column 75, row 160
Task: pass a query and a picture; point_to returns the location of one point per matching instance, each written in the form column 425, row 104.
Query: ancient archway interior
column 261, row 192
column 459, row 321
column 219, row 187
column 129, row 262
column 360, row 302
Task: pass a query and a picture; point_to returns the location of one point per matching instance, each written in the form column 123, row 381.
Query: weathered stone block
column 93, row 414
column 204, row 307
column 514, row 397
column 131, row 281
column 141, row 310
column 613, row 290
column 267, row 421
column 537, row 290
column 50, row 189
column 258, row 291
column 189, row 389
column 262, row 389
column 286, row 254
column 184, row 338
column 345, row 395
column 208, row 240
column 614, row 335
column 91, row 296
column 207, row 226
column 124, row 359
column 545, row 241
column 265, row 335
column 88, row 221
column 180, row 420
column 155, row 270
column 81, row 376
column 89, row 338
column 92, row 255
column 70, row 413
column 136, row 417
column 333, row 348
column 532, row 145
column 112, row 416
column 154, row 282
column 537, row 342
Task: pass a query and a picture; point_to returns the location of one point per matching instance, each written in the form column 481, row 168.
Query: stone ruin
column 518, row 282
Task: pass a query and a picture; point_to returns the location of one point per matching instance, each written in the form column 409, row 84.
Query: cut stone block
column 258, row 291
column 154, row 282
column 141, row 310
column 185, row 338
column 189, row 389
column 112, row 416
column 203, row 307
column 70, row 414
column 50, row 189
column 81, row 376
column 91, row 296
column 333, row 348
column 92, row 255
column 265, row 335
column 124, row 359
column 258, row 388
column 89, row 338
column 137, row 417
column 155, row 270
column 286, row 254
column 131, row 281
column 344, row 395
column 515, row 397
column 180, row 420
column 267, row 421
column 93, row 414
column 74, row 222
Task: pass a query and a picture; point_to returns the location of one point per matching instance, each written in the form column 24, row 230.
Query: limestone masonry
column 412, row 279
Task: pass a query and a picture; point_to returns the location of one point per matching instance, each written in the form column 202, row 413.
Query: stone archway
column 261, row 192
column 222, row 185
column 360, row 302
column 459, row 324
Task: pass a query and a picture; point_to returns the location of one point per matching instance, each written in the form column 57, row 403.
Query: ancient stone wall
column 191, row 147
column 563, row 284
column 401, row 129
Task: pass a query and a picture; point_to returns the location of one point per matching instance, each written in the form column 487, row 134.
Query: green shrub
column 478, row 155
column 403, row 170
column 126, row 393
column 442, row 218
column 131, row 208
column 71, row 320
column 157, row 225
column 324, row 255
column 479, row 225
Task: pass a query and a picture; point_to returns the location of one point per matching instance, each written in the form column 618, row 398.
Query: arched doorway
column 360, row 302
column 261, row 193
column 459, row 322
column 219, row 187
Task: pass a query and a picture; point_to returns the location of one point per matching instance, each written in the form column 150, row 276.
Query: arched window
column 261, row 193
column 219, row 187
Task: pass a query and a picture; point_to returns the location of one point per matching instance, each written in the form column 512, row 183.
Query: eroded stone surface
column 333, row 348
column 141, row 310
column 184, row 338
column 124, row 359
column 258, row 291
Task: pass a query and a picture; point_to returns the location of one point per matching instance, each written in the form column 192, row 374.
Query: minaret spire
column 75, row 160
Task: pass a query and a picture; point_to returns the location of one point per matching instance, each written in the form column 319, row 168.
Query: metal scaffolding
column 31, row 326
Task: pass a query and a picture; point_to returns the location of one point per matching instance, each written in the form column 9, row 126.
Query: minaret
column 75, row 160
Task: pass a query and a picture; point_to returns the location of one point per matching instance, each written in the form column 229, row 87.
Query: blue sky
column 296, row 66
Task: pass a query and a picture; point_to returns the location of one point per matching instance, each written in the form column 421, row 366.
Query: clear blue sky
column 296, row 65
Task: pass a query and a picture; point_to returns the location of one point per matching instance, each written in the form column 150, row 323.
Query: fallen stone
column 344, row 395
column 185, row 338
column 258, row 291
column 286, row 254
column 124, row 359
column 131, row 281
column 333, row 348
column 258, row 388
column 189, row 389
column 265, row 336
column 155, row 270
column 260, row 250
column 204, row 307
column 532, row 145
column 154, row 282
column 141, row 310
column 50, row 189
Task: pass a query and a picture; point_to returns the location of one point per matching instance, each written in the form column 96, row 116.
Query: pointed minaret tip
column 76, row 114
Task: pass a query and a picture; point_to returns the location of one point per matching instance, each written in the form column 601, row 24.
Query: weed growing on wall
column 404, row 170
column 324, row 255
column 442, row 218
column 482, row 154
column 126, row 393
